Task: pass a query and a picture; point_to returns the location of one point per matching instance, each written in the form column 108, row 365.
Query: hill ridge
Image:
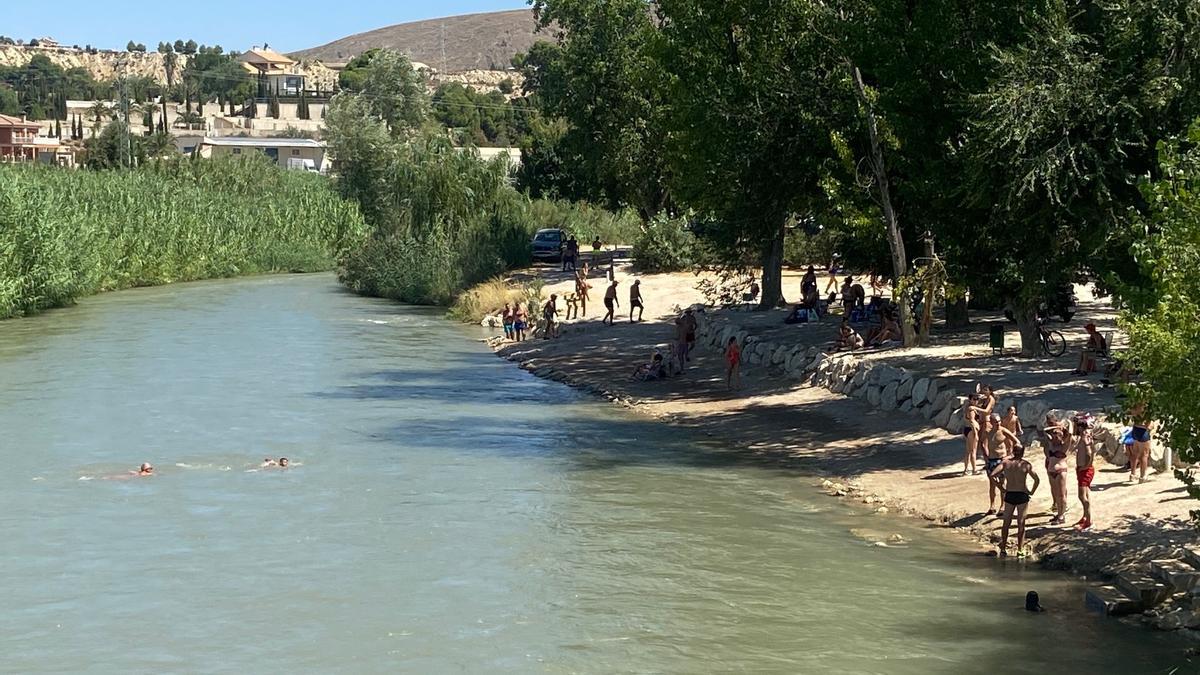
column 476, row 41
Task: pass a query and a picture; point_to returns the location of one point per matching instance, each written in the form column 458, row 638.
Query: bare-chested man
column 1017, row 492
column 1056, row 439
column 998, row 442
column 1082, row 442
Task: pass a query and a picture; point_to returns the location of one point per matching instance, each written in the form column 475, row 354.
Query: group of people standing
column 997, row 439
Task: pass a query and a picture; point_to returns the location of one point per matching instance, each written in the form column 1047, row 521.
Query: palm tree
column 100, row 111
column 159, row 145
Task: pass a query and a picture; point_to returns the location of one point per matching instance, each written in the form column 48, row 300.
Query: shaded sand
column 885, row 458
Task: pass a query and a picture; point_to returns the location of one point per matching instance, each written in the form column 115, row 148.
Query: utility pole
column 443, row 47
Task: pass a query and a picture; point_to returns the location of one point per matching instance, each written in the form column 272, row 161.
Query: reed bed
column 67, row 234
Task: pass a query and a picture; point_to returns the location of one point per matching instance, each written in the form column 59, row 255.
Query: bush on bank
column 67, row 234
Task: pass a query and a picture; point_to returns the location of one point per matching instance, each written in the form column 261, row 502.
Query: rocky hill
column 472, row 42
column 104, row 65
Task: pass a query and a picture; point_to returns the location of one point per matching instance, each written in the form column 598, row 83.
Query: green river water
column 446, row 513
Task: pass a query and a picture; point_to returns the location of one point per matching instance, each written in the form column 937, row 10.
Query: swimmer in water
column 144, row 470
column 267, row 461
column 283, row 462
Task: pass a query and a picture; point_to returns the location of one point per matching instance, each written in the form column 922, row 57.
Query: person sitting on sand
column 1095, row 348
column 888, row 330
column 998, row 443
column 655, row 370
column 1013, row 472
column 848, row 338
column 1056, row 440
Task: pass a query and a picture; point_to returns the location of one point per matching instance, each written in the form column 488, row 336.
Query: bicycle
column 1053, row 343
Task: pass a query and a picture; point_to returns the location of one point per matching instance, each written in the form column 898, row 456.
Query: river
column 445, row 513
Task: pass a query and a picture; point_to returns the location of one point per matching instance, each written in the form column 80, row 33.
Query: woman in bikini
column 972, row 418
column 1139, row 455
column 1056, row 466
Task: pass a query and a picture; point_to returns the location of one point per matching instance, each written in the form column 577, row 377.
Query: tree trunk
column 772, row 271
column 1026, row 315
column 957, row 315
column 895, row 240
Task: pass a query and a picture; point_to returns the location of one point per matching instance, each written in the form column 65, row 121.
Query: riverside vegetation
column 67, row 234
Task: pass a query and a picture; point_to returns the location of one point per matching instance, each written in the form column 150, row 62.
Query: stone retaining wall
column 890, row 388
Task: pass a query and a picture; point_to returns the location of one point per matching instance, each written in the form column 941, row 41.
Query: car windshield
column 547, row 236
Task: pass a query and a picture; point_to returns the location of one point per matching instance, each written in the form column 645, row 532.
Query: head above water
column 283, row 461
column 146, row 468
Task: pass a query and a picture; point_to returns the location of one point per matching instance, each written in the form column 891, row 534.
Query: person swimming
column 283, row 462
column 144, row 470
column 267, row 461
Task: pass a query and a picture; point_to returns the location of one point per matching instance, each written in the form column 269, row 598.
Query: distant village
column 278, row 110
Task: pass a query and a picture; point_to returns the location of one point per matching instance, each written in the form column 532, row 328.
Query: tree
column 179, row 47
column 362, row 142
column 1059, row 138
column 1164, row 335
column 57, row 129
column 165, row 48
column 396, row 92
column 9, row 105
column 189, row 47
column 602, row 78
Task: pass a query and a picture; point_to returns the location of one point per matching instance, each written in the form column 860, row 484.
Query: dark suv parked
column 548, row 244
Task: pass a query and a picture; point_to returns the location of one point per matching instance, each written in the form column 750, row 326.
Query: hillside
column 472, row 41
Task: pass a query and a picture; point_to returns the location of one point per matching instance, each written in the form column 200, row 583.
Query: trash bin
column 996, row 338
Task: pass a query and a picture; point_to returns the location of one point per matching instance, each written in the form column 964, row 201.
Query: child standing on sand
column 733, row 359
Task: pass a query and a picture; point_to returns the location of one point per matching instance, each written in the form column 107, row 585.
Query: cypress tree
column 57, row 129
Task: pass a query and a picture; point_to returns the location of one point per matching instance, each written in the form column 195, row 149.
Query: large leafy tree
column 752, row 101
column 1058, row 139
column 602, row 79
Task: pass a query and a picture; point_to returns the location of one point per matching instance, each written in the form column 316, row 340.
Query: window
column 296, row 153
column 237, row 151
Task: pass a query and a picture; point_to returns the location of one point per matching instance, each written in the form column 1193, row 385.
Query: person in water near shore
column 1016, row 471
column 635, row 300
column 144, row 470
column 1085, row 471
column 610, row 303
column 998, row 443
column 733, row 363
column 1056, row 440
column 283, row 462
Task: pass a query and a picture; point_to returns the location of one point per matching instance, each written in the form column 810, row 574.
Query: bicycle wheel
column 1054, row 344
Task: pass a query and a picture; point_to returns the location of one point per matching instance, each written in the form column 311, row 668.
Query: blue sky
column 287, row 26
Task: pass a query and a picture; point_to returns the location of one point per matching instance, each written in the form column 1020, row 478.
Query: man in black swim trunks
column 1016, row 496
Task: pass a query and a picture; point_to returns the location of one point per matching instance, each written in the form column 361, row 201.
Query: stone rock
column 884, row 374
column 861, row 392
column 861, row 375
column 935, row 389
column 1033, row 412
column 919, row 390
column 888, row 397
column 838, row 386
column 905, row 389
column 882, row 509
column 943, row 417
column 956, row 422
column 929, row 411
column 779, row 356
column 873, row 395
column 943, row 399
column 907, row 406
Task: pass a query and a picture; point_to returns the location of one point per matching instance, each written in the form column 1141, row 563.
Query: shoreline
column 892, row 462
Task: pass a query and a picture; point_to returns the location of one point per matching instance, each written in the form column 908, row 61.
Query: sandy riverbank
column 896, row 461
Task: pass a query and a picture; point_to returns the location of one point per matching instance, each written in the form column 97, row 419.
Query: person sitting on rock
column 848, row 338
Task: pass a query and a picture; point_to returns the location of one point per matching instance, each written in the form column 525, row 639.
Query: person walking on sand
column 1081, row 439
column 733, row 363
column 550, row 315
column 635, row 300
column 610, row 303
column 689, row 337
column 581, row 289
column 1014, row 472
column 998, row 442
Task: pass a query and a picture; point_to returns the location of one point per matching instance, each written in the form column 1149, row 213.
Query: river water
column 445, row 513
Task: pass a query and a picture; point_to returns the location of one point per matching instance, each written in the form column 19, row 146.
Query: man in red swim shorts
column 1084, row 469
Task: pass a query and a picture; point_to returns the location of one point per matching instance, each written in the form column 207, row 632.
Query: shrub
column 666, row 246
